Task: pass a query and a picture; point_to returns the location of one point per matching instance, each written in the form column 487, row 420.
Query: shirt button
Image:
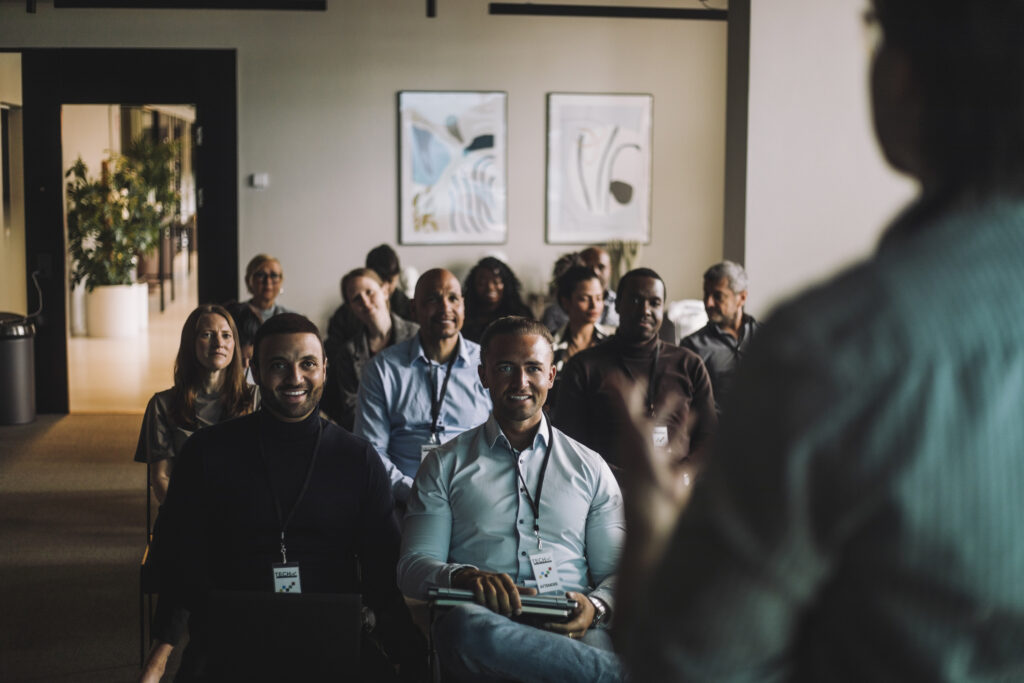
column 520, row 521
column 523, row 553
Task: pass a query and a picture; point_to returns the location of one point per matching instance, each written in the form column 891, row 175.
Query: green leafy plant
column 114, row 218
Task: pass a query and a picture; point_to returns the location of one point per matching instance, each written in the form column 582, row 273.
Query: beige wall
column 12, row 234
column 317, row 113
column 818, row 191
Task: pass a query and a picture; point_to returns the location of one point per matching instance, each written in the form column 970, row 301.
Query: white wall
column 317, row 112
column 818, row 191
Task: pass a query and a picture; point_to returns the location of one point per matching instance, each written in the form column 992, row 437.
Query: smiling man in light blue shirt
column 425, row 391
column 488, row 504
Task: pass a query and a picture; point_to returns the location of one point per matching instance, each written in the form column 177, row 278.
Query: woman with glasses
column 263, row 278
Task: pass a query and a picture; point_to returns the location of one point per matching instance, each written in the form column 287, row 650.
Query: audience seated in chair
column 491, row 291
column 209, row 387
column 364, row 293
column 487, row 507
column 416, row 395
column 676, row 384
column 283, row 500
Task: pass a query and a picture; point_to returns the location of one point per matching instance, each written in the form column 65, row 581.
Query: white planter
column 142, row 291
column 112, row 311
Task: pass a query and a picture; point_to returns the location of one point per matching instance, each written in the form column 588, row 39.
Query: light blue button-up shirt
column 469, row 508
column 393, row 405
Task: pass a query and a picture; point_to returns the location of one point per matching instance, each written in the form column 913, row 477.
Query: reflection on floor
column 120, row 375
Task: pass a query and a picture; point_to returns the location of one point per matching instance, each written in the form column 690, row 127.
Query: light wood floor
column 120, row 375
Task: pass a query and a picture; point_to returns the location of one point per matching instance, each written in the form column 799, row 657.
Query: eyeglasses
column 260, row 277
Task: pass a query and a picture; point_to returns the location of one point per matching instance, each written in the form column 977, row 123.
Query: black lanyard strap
column 652, row 378
column 435, row 399
column 283, row 522
column 534, row 500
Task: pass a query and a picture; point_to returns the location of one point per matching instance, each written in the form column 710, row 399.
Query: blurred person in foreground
column 861, row 517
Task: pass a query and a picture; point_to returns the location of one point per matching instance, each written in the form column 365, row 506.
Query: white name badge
column 427, row 448
column 286, row 577
column 545, row 573
column 660, row 436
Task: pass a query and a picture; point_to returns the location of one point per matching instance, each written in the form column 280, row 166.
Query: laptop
column 536, row 608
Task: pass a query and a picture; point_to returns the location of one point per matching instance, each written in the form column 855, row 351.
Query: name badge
column 545, row 573
column 286, row 577
column 425, row 449
column 660, row 436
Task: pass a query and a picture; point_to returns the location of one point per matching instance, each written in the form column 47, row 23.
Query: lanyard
column 652, row 379
column 534, row 500
column 283, row 522
column 435, row 400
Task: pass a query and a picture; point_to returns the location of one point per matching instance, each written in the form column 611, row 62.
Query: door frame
column 52, row 78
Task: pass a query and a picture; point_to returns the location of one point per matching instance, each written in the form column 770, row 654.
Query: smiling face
column 586, row 304
column 641, row 308
column 517, row 370
column 290, row 374
column 265, row 283
column 215, row 345
column 368, row 300
column 438, row 305
column 490, row 288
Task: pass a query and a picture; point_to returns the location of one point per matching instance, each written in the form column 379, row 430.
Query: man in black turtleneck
column 677, row 388
column 281, row 486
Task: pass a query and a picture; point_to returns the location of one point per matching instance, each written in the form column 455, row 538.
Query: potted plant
column 111, row 220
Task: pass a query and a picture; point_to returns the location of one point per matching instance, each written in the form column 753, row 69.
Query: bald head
column 598, row 261
column 438, row 306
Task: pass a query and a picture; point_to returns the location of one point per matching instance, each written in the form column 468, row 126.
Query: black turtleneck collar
column 279, row 430
column 643, row 349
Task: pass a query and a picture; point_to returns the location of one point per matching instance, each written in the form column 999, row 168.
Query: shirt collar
column 416, row 352
column 493, row 434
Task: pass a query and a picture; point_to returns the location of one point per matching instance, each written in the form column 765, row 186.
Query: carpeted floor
column 72, row 530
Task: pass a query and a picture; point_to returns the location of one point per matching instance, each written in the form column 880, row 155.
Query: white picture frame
column 453, row 167
column 599, row 168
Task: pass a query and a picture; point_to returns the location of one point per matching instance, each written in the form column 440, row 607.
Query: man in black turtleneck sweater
column 239, row 484
column 676, row 385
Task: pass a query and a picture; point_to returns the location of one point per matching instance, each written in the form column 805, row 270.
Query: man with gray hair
column 722, row 342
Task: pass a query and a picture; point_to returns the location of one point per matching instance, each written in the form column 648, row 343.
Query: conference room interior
column 762, row 153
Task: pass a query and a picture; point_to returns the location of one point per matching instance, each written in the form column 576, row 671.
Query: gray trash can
column 17, row 370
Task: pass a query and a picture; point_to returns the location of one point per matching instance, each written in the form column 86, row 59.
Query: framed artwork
column 452, row 167
column 599, row 168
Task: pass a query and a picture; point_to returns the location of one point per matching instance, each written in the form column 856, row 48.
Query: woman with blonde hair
column 263, row 278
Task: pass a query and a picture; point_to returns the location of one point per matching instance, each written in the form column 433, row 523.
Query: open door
column 55, row 77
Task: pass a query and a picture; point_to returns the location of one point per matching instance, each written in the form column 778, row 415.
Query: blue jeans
column 476, row 644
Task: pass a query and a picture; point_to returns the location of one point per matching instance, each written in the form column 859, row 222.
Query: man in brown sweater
column 677, row 388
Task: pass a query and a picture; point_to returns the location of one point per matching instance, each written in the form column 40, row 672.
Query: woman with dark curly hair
column 491, row 292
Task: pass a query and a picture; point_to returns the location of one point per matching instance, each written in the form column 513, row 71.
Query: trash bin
column 17, row 370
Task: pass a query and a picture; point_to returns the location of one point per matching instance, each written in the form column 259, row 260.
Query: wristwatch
column 600, row 611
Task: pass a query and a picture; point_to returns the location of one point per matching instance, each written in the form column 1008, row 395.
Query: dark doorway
column 54, row 77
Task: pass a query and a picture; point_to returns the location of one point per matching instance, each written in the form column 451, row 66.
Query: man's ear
column 553, row 371
column 743, row 298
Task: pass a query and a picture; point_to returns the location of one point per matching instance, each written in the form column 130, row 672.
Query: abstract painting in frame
column 452, row 167
column 599, row 168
